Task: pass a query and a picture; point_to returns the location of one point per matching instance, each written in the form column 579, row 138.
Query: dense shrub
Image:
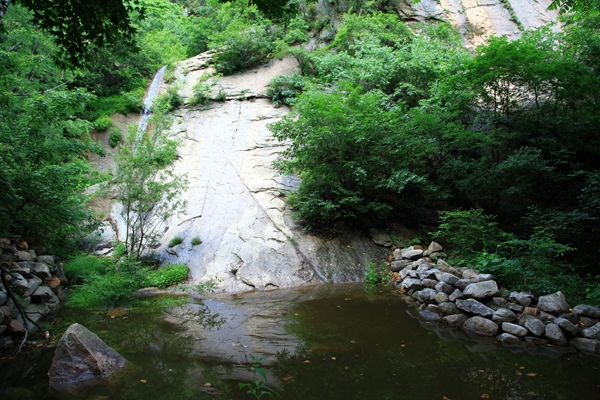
column 80, row 267
column 167, row 275
column 102, row 123
column 285, row 89
column 115, row 137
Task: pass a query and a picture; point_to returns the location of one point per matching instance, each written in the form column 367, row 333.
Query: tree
column 79, row 25
column 146, row 185
column 567, row 6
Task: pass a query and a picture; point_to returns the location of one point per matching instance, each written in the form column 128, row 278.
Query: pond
column 321, row 342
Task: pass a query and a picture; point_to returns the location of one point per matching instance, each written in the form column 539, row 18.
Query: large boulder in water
column 82, row 360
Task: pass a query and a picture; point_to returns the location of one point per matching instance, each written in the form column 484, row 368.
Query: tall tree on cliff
column 79, row 25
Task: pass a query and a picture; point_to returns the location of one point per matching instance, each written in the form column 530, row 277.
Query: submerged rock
column 82, row 360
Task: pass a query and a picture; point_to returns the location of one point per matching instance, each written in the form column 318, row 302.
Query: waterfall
column 147, row 106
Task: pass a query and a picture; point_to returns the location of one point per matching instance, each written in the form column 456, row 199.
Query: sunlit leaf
column 286, row 378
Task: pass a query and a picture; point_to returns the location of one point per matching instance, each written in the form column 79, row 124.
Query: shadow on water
column 320, row 342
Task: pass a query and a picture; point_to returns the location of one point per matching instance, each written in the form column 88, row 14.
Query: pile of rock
column 36, row 280
column 463, row 298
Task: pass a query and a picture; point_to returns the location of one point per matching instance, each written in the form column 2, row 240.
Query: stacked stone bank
column 35, row 280
column 464, row 298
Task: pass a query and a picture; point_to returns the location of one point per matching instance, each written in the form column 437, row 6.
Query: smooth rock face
column 482, row 290
column 554, row 303
column 481, row 326
column 474, row 307
column 514, row 329
column 587, row 311
column 81, row 360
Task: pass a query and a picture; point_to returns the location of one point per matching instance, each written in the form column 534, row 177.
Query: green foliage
column 221, row 95
column 81, row 267
column 202, row 93
column 168, row 101
column 377, row 273
column 208, row 286
column 144, row 182
column 167, row 275
column 297, row 31
column 115, row 137
column 285, row 89
column 196, row 241
column 175, row 241
column 258, row 388
column 102, row 123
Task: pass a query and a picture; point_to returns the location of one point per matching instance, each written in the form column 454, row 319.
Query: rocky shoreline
column 469, row 303
column 36, row 280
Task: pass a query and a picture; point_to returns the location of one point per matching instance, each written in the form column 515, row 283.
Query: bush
column 167, row 276
column 285, row 89
column 297, row 31
column 168, row 101
column 377, row 273
column 221, row 95
column 175, row 241
column 196, row 241
column 202, row 93
column 102, row 123
column 80, row 267
column 115, row 137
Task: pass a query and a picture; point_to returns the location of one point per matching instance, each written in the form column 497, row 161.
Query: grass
column 175, row 241
column 196, row 241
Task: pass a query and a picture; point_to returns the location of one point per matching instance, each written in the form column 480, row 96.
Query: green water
column 325, row 342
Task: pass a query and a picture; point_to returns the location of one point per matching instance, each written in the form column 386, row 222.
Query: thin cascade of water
column 147, row 105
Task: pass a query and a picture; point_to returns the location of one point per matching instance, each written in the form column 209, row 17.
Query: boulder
column 447, row 278
column 507, row 338
column 546, row 317
column 3, row 297
column 482, row 290
column 16, row 328
column 41, row 270
column 445, row 267
column 397, row 266
column 587, row 311
column 444, row 288
column 427, row 295
column 429, row 283
column 571, row 317
column 486, row 277
column 441, row 297
column 521, row 298
column 411, row 254
column 457, row 294
column 504, row 315
column 23, row 268
column 33, row 283
column 534, row 325
column 82, row 360
column 470, row 274
column 412, row 284
column 462, row 284
column 430, row 316
column 555, row 335
column 481, row 326
column 567, row 326
column 44, row 294
column 19, row 284
column 397, row 254
column 48, row 260
column 455, row 320
column 24, row 255
column 592, row 332
column 380, row 238
column 554, row 303
column 497, row 302
column 426, row 273
column 517, row 308
column 472, row 306
column 514, row 329
column 448, row 308
column 586, row 345
column 434, row 247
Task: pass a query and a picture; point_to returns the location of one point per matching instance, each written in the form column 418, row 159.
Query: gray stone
column 514, row 329
column 517, row 308
column 33, row 283
column 455, row 320
column 48, row 260
column 441, row 297
column 405, row 272
column 567, row 326
column 433, row 308
column 397, row 254
column 19, row 284
column 457, row 294
column 546, row 317
column 497, row 302
column 412, row 284
column 482, row 290
column 24, row 255
column 448, row 308
column 434, row 247
column 586, row 345
column 411, row 254
column 486, row 277
column 427, row 273
column 571, row 317
column 41, row 270
column 554, row 303
column 427, row 295
column 438, row 255
column 430, row 316
column 474, row 307
column 23, row 268
column 397, row 266
column 555, row 335
column 445, row 267
column 36, row 312
column 380, row 238
column 444, row 288
column 507, row 338
column 591, row 332
column 535, row 340
column 82, row 360
column 429, row 283
column 587, row 322
column 534, row 325
column 462, row 284
column 447, row 278
column 44, row 294
column 3, row 328
column 3, row 297
column 470, row 274
column 521, row 298
column 504, row 315
column 16, row 328
column 481, row 326
column 587, row 311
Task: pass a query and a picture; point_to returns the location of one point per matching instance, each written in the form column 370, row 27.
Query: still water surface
column 323, row 342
